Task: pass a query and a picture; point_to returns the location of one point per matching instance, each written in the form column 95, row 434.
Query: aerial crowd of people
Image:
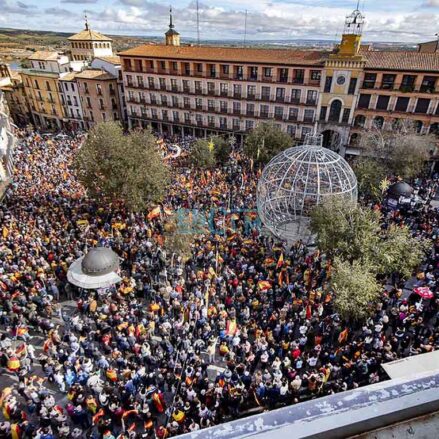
column 241, row 325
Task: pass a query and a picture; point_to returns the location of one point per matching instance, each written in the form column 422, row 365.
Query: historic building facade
column 43, row 89
column 200, row 90
column 12, row 86
column 398, row 86
column 88, row 44
column 7, row 143
column 99, row 96
column 74, row 117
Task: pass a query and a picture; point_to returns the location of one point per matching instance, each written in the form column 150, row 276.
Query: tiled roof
column 44, row 55
column 110, row 59
column 68, row 76
column 230, row 54
column 94, row 74
column 426, row 62
column 89, row 35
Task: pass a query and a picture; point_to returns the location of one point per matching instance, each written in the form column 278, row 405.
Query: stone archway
column 332, row 140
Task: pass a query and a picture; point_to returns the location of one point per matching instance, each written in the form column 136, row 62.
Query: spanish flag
column 5, row 232
column 280, row 262
column 97, row 416
column 13, row 364
column 15, row 431
column 264, row 285
column 231, row 327
column 111, row 375
column 154, row 213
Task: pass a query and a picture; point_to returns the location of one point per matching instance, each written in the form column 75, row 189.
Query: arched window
column 355, row 139
column 378, row 122
column 434, row 129
column 396, row 124
column 360, row 121
column 335, row 111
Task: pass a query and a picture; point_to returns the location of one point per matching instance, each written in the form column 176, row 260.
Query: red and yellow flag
column 154, row 213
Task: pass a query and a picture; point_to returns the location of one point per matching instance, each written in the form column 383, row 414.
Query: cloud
column 25, row 6
column 19, row 8
column 58, row 12
column 431, row 4
column 79, row 2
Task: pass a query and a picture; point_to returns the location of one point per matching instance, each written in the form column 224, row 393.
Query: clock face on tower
column 341, row 80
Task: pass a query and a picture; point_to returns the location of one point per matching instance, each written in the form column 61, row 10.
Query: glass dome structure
column 298, row 179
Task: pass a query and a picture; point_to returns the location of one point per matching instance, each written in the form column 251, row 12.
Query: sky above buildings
column 387, row 20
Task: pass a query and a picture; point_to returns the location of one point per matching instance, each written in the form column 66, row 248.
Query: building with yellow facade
column 43, row 89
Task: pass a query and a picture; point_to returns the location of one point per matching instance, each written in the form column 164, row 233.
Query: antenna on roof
column 86, row 20
column 245, row 27
column 358, row 5
column 198, row 23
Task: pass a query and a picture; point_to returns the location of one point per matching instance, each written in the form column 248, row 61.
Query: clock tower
column 340, row 84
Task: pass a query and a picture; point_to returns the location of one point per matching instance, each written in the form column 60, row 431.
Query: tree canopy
column 265, row 141
column 202, row 154
column 122, row 167
column 356, row 289
column 354, row 234
column 370, row 173
column 345, row 229
column 403, row 151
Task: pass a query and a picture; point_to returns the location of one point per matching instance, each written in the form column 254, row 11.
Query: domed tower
column 172, row 37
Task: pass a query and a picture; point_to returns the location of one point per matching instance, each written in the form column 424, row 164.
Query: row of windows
column 213, row 70
column 379, row 122
column 189, row 86
column 408, row 83
column 89, row 103
column 252, row 93
column 223, row 106
column 98, row 86
column 39, row 85
column 78, row 45
column 402, row 104
column 211, row 121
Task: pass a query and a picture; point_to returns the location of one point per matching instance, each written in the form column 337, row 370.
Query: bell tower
column 351, row 39
column 172, row 37
column 341, row 80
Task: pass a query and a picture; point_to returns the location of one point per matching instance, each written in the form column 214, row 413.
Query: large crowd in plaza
column 135, row 360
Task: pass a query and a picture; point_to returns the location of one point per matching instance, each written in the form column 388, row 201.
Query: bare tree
column 403, row 149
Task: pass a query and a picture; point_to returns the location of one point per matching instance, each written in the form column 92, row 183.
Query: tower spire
column 171, row 26
column 86, row 20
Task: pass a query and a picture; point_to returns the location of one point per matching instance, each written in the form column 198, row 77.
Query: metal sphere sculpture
column 298, row 179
